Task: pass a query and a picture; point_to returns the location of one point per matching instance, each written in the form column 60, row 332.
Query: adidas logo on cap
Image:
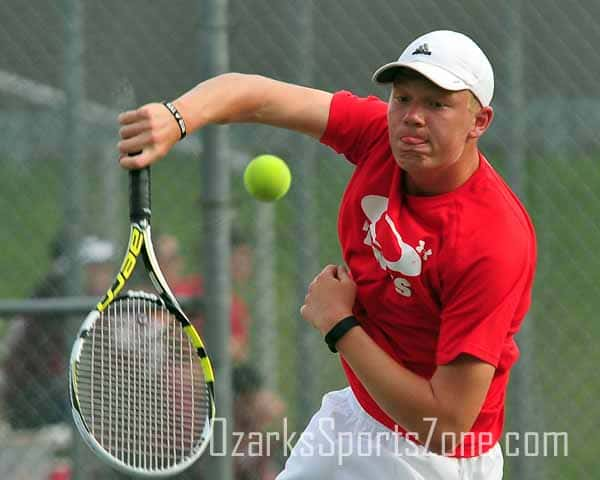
column 422, row 50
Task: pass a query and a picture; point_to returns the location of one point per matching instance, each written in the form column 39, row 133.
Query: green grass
column 30, row 206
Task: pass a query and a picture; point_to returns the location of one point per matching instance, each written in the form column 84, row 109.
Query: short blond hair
column 474, row 105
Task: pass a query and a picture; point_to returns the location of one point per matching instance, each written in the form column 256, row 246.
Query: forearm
column 406, row 397
column 227, row 98
column 237, row 98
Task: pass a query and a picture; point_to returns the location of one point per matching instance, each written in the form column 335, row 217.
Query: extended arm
column 228, row 98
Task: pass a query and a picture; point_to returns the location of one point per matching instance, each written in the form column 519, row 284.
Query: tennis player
column 440, row 259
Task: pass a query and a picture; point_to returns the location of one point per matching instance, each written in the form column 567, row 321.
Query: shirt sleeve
column 355, row 125
column 484, row 300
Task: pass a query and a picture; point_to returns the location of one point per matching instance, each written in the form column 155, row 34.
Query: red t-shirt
column 437, row 276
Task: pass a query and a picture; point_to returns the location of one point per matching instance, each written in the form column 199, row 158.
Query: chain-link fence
column 63, row 68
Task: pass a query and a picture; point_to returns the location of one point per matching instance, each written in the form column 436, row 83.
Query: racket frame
column 140, row 243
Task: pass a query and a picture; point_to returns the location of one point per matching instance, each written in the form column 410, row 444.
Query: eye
column 402, row 98
column 436, row 104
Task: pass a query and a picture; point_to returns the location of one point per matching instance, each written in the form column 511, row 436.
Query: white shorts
column 343, row 442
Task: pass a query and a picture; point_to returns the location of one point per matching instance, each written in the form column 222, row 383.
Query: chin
column 411, row 160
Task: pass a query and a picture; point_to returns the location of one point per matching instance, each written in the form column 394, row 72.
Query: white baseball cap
column 449, row 59
column 95, row 250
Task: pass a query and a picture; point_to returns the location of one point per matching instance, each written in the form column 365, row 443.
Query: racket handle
column 139, row 195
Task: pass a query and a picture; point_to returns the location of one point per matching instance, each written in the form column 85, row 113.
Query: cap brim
column 442, row 78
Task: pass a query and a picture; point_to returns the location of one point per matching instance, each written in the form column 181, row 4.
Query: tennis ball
column 267, row 178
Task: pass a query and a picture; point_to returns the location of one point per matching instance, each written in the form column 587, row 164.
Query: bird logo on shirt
column 390, row 250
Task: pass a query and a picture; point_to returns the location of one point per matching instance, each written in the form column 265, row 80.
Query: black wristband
column 178, row 118
column 339, row 330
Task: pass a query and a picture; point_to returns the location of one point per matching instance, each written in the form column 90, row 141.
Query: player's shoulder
column 492, row 217
column 356, row 126
column 370, row 106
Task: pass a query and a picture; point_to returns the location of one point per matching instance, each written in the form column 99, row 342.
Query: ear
column 483, row 120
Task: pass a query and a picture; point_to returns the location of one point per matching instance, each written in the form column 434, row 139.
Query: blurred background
column 68, row 67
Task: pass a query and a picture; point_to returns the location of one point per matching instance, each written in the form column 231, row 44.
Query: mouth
column 412, row 141
column 411, row 145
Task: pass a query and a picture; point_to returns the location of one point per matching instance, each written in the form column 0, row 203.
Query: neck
column 443, row 180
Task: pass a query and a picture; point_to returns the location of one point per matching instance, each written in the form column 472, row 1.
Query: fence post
column 216, row 246
column 307, row 231
column 265, row 325
column 73, row 176
column 520, row 407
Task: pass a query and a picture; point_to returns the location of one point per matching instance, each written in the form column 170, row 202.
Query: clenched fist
column 329, row 299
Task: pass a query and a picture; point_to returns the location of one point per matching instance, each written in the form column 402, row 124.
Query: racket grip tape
column 139, row 194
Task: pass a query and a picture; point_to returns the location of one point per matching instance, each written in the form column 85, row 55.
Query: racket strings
column 140, row 386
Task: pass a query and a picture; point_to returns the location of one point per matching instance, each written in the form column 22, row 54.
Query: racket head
column 140, row 394
column 141, row 383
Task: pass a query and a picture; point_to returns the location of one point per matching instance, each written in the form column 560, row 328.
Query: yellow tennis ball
column 267, row 178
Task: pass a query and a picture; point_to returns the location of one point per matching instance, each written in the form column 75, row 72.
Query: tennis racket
column 141, row 383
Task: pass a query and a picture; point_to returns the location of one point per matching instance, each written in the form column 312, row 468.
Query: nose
column 414, row 115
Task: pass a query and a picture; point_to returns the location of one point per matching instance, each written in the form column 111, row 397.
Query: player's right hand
column 152, row 130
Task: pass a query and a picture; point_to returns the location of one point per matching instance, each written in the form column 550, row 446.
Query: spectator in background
column 35, row 392
column 190, row 285
column 97, row 256
column 242, row 266
column 256, row 408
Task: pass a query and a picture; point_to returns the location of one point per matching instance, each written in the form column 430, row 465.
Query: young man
column 440, row 259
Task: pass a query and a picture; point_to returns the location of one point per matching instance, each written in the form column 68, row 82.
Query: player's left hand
column 329, row 299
